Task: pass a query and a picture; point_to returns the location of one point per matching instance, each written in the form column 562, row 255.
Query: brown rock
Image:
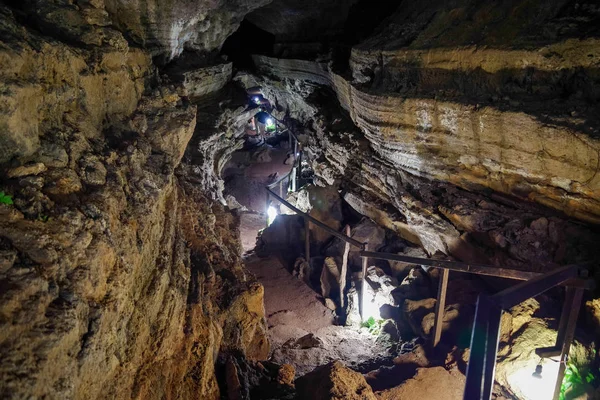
column 330, row 304
column 286, row 375
column 52, row 155
column 592, row 308
column 334, row 381
column 451, row 314
column 305, row 342
column 7, row 259
column 415, row 311
column 429, row 383
column 330, row 276
column 522, row 313
column 25, row 170
column 62, row 181
column 92, row 171
column 248, row 310
column 234, row 387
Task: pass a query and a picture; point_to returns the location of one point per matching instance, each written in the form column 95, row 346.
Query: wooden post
column 307, row 240
column 344, row 271
column 281, row 188
column 295, row 150
column 267, row 209
column 568, row 333
column 363, row 285
column 440, row 305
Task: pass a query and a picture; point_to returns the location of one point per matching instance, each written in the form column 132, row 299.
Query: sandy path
column 293, row 310
column 246, row 181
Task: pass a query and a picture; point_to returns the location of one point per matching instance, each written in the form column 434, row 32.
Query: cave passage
column 247, row 40
column 142, row 257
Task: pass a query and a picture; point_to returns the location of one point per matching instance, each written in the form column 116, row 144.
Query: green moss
column 374, row 325
column 5, row 198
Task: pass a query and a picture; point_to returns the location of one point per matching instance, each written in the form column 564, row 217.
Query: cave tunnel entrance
column 247, row 40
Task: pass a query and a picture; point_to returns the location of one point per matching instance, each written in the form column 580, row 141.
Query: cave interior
column 280, row 199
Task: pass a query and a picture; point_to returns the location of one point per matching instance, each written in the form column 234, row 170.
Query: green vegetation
column 5, row 198
column 373, row 325
column 574, row 379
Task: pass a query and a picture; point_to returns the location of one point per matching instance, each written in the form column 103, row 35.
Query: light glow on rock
column 539, row 387
column 271, row 214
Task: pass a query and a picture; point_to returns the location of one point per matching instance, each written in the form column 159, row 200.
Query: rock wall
column 474, row 146
column 164, row 29
column 121, row 276
column 302, row 22
column 479, row 226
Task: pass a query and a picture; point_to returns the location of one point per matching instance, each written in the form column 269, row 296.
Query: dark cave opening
column 249, row 39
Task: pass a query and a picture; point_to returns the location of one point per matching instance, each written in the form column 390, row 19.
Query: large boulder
column 378, row 291
column 366, row 231
column 420, row 315
column 326, row 206
column 514, row 371
column 401, row 268
column 334, row 381
column 428, row 383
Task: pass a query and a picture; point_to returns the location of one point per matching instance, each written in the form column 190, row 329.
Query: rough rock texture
column 121, row 276
column 334, row 382
column 218, row 134
column 107, row 287
column 475, row 226
column 165, row 29
column 479, row 95
column 428, row 383
column 49, row 86
column 201, row 80
column 474, row 145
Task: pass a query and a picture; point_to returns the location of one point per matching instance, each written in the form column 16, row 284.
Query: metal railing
column 486, row 328
column 486, row 325
column 484, row 339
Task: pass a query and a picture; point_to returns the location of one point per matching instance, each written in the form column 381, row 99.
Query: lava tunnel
column 301, row 200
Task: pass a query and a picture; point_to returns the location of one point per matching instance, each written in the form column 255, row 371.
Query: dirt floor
column 246, row 175
column 301, row 328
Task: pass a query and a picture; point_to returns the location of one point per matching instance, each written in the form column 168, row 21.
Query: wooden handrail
column 478, row 269
column 486, row 327
column 272, row 185
column 320, row 224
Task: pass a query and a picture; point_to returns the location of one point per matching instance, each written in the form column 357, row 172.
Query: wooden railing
column 484, row 338
column 480, row 373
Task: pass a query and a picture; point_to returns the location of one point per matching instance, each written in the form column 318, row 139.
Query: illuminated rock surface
column 465, row 130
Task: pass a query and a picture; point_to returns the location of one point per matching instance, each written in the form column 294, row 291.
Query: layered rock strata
column 475, row 226
column 474, row 146
column 165, row 30
column 121, row 275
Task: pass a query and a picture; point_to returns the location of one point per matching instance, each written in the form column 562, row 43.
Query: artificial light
column 271, row 215
column 533, row 386
column 538, row 371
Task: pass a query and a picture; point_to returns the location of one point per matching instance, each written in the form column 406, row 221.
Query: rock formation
column 121, row 275
column 464, row 130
